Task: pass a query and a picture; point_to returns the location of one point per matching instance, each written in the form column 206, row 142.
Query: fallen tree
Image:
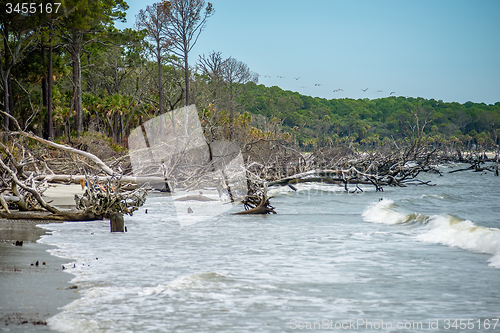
column 105, row 199
column 25, row 178
column 345, row 167
column 102, row 198
column 256, row 201
column 270, row 162
column 479, row 163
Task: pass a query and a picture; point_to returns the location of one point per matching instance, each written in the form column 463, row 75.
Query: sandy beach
column 31, row 293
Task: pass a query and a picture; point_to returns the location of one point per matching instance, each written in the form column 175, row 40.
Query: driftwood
column 25, row 177
column 269, row 159
column 270, row 163
column 479, row 165
column 345, row 167
column 257, row 201
column 99, row 201
column 107, row 199
column 264, row 207
column 127, row 181
column 399, row 165
column 61, row 216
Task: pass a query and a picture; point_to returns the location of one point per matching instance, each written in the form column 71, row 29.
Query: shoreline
column 31, row 294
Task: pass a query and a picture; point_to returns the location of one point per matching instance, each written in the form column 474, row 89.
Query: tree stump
column 116, row 222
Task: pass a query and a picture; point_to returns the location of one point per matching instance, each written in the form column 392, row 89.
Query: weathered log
column 131, row 181
column 62, row 216
column 263, row 208
column 339, row 177
column 9, row 198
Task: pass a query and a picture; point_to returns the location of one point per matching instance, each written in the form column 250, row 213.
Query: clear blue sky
column 443, row 49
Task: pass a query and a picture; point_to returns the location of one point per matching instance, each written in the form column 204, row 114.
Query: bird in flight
column 378, row 91
column 280, row 77
column 392, row 92
column 296, row 78
column 317, row 84
column 267, row 75
column 365, row 89
column 338, row 90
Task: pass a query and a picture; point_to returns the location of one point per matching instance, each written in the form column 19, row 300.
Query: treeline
column 314, row 122
column 70, row 72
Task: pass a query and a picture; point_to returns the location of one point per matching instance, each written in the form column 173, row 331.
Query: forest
column 365, row 124
column 67, row 74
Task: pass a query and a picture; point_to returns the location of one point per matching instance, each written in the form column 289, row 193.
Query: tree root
column 257, row 201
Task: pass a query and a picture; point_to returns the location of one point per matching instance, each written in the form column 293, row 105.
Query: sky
column 447, row 50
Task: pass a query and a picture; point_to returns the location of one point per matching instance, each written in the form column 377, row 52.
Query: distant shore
column 31, row 293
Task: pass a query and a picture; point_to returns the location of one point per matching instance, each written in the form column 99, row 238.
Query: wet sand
column 30, row 294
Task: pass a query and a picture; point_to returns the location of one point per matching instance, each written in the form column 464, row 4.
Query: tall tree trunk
column 79, row 129
column 122, row 130
column 77, row 86
column 186, row 75
column 6, row 103
column 43, row 52
column 5, row 77
column 231, row 112
column 113, row 128
column 49, row 85
column 11, row 98
column 44, row 79
column 160, row 83
column 116, row 128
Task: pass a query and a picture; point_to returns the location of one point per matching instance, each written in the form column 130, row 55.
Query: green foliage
column 370, row 122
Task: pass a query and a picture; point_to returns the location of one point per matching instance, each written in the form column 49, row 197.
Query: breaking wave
column 442, row 229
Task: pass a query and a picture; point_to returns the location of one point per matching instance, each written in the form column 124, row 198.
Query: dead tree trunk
column 116, row 222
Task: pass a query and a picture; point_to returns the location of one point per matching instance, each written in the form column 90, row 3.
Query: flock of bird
column 320, row 84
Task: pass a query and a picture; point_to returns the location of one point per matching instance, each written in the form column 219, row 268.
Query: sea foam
column 382, row 212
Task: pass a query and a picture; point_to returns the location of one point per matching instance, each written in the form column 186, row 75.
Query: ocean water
column 414, row 259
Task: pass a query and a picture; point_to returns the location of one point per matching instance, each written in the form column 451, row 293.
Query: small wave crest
column 452, row 231
column 435, row 196
column 382, row 212
column 195, row 282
